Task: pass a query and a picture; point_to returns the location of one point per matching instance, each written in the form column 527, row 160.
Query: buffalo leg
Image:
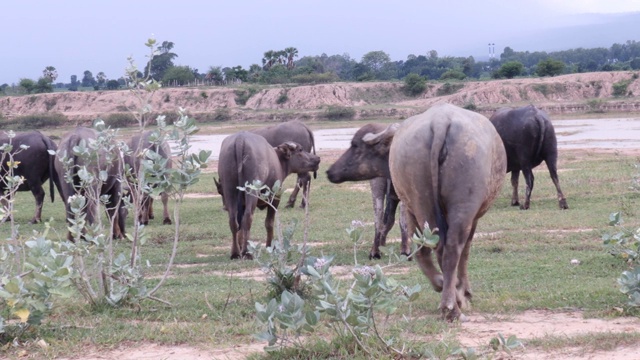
column 305, row 180
column 529, row 179
column 404, row 234
column 457, row 236
column 38, row 194
column 424, row 258
column 301, row 182
column 515, row 174
column 245, row 228
column 151, row 216
column 464, row 287
column 562, row 201
column 378, row 192
column 165, row 208
column 268, row 224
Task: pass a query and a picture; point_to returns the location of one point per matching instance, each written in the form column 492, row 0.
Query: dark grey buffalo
column 368, row 159
column 35, row 165
column 529, row 138
column 447, row 166
column 139, row 145
column 247, row 157
column 107, row 162
column 297, row 132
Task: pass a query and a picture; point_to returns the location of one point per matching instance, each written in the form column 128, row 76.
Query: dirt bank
column 574, row 93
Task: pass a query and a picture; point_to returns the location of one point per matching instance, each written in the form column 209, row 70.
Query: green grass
column 520, row 260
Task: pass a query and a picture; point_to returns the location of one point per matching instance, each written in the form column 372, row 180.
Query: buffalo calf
column 244, row 158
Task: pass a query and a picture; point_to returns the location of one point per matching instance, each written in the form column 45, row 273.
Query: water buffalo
column 368, row 159
column 246, row 157
column 35, row 164
column 138, row 146
column 447, row 166
column 297, row 132
column 529, row 138
column 67, row 165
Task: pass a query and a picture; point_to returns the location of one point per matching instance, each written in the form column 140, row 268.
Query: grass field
column 520, row 260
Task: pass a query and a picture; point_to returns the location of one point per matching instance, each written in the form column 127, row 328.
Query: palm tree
column 269, row 59
column 50, row 73
column 291, row 53
column 215, row 74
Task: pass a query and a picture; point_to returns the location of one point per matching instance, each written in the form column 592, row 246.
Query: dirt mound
column 562, row 94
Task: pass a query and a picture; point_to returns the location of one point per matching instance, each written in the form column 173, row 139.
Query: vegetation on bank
column 282, row 66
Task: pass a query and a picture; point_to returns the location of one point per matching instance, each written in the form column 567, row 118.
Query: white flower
column 320, row 262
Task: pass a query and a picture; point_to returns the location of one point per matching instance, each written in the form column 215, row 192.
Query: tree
column 102, row 78
column 215, row 74
column 73, row 86
column 375, row 60
column 162, row 61
column 113, row 85
column 28, row 85
column 50, row 73
column 178, row 75
column 291, row 53
column 511, row 69
column 88, row 80
column 453, row 74
column 269, row 59
column 414, row 84
column 550, row 67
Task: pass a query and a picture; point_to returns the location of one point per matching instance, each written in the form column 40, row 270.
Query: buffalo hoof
column 563, row 204
column 247, row 256
column 235, row 256
column 34, row 221
column 151, row 217
column 515, row 203
column 376, row 256
column 524, row 207
column 167, row 221
column 408, row 255
column 289, row 205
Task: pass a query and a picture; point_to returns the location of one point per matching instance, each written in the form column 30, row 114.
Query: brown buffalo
column 368, row 159
column 67, row 165
column 35, row 165
column 139, row 144
column 529, row 138
column 299, row 133
column 244, row 158
column 447, row 166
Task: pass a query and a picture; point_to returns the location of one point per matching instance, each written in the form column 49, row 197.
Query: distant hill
column 590, row 31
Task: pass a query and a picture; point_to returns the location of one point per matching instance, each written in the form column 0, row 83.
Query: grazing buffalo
column 297, row 132
column 368, row 159
column 139, row 144
column 447, row 166
column 69, row 163
column 529, row 138
column 34, row 164
column 244, row 158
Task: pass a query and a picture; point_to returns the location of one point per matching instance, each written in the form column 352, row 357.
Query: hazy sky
column 78, row 35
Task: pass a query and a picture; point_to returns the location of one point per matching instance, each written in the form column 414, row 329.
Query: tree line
column 282, row 66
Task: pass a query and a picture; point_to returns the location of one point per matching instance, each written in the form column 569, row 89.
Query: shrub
column 283, row 98
column 120, row 120
column 453, row 75
column 335, row 112
column 220, row 115
column 595, row 106
column 204, row 95
column 550, row 67
column 511, row 69
column 39, row 121
column 243, row 95
column 620, row 88
column 414, row 84
column 448, row 89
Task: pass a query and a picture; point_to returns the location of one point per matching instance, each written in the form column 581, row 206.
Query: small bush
column 283, row 98
column 414, row 84
column 448, row 89
column 453, row 75
column 620, row 88
column 220, row 115
column 204, row 95
column 39, row 121
column 470, row 106
column 243, row 95
column 339, row 113
column 120, row 120
column 595, row 106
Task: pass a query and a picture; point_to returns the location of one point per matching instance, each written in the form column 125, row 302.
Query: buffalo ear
column 283, row 151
